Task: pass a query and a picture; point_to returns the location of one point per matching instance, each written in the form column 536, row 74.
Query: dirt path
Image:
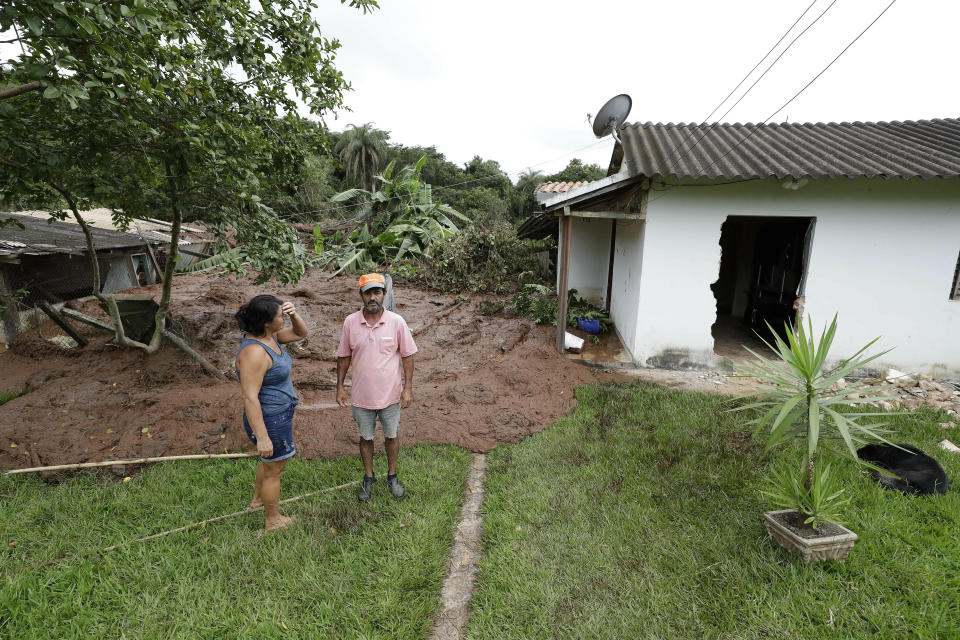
column 480, row 380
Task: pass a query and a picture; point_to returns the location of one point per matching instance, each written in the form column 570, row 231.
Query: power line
column 760, row 61
column 797, row 94
column 750, row 88
column 756, row 127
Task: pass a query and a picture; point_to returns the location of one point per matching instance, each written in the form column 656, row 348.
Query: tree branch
column 24, row 88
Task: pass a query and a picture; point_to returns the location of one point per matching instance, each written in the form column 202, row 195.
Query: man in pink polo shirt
column 380, row 346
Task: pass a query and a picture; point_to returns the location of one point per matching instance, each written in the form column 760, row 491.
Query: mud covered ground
column 479, row 381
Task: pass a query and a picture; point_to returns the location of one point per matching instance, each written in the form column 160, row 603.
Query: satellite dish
column 612, row 115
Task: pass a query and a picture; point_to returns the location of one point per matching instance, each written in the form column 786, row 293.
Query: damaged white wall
column 883, row 256
column 590, row 261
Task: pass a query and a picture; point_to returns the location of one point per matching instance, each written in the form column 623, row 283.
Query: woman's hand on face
column 288, row 309
column 264, row 448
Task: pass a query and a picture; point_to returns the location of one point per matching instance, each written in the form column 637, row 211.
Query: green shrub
column 538, row 302
column 544, row 310
column 479, row 260
column 577, row 307
column 522, row 302
column 405, row 272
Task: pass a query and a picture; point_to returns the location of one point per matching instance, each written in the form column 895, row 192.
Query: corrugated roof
column 40, row 238
column 558, row 187
column 909, row 149
column 150, row 230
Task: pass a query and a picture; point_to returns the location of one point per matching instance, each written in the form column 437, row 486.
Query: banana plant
column 399, row 221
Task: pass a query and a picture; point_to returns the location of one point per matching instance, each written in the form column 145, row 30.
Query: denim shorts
column 280, row 429
column 366, row 420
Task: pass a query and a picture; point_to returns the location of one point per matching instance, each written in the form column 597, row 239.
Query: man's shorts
column 366, row 420
column 280, row 429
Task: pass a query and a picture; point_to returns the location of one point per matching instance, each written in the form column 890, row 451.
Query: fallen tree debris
column 111, row 463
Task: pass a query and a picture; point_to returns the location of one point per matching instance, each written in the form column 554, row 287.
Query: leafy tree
column 576, row 171
column 110, row 102
column 301, row 187
column 487, row 173
column 482, row 205
column 360, row 149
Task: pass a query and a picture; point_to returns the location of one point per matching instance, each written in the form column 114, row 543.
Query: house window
column 955, row 289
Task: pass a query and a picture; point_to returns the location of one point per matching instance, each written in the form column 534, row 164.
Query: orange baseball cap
column 371, row 280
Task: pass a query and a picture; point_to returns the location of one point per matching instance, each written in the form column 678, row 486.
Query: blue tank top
column 276, row 392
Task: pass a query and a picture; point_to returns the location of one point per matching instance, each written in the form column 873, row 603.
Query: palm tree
column 527, row 184
column 360, row 149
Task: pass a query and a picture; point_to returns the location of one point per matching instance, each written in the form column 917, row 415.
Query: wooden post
column 10, row 314
column 564, row 268
column 613, row 249
column 62, row 323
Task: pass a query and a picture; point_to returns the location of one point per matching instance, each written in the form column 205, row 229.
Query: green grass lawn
column 344, row 570
column 638, row 516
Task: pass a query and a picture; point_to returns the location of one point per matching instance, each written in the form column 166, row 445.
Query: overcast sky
column 513, row 81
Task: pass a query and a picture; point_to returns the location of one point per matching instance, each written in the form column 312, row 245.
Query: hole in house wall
column 762, row 266
column 955, row 288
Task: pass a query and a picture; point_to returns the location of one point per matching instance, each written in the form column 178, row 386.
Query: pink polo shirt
column 375, row 354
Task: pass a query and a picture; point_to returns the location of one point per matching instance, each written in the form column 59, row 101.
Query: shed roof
column 40, row 237
column 151, row 230
column 909, row 149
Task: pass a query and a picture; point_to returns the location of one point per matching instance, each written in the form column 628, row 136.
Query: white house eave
column 595, row 188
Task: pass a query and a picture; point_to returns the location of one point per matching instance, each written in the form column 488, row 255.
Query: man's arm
column 343, row 365
column 406, row 396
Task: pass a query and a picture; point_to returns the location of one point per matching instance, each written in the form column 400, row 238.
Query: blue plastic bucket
column 590, row 326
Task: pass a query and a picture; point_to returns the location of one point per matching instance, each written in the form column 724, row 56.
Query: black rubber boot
column 393, row 484
column 366, row 488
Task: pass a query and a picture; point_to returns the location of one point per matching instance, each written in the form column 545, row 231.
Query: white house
column 701, row 233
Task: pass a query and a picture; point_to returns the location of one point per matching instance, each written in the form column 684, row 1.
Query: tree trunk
column 160, row 322
column 108, row 301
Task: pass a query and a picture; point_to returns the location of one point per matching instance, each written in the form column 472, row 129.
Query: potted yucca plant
column 799, row 400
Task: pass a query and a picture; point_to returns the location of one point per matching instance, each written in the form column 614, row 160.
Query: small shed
column 45, row 260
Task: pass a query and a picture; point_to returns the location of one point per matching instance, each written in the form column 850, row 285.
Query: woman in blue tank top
column 268, row 395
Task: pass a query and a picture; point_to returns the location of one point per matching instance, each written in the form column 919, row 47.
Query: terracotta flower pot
column 833, row 542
